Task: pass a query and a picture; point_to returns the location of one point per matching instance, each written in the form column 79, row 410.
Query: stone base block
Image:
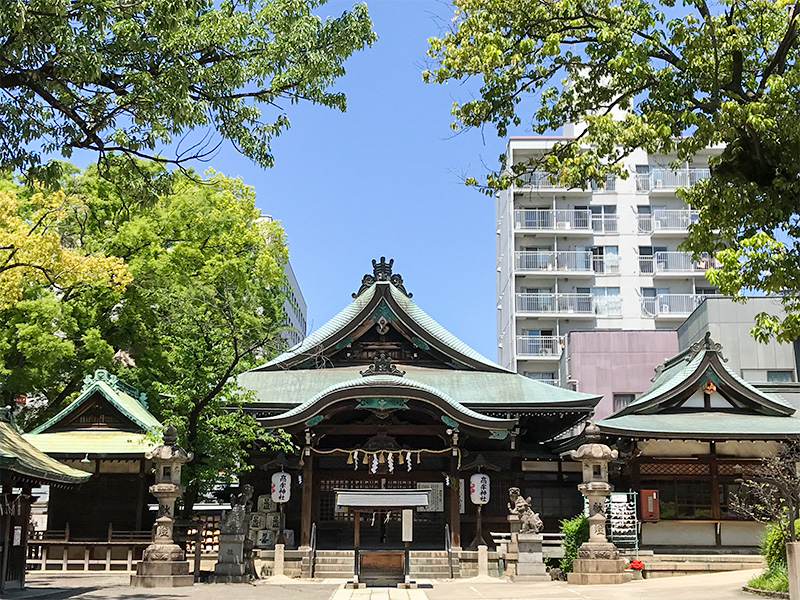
column 597, row 578
column 151, row 574
column 162, row 574
column 230, row 569
column 411, row 585
column 599, row 565
column 351, row 585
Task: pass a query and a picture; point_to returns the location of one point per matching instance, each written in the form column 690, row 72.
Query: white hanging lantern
column 479, row 488
column 281, row 487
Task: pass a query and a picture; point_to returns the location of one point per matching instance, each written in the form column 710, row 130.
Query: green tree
column 205, row 303
column 130, row 77
column 672, row 78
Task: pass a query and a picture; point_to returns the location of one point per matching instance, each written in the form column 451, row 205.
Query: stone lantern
column 163, row 562
column 598, row 560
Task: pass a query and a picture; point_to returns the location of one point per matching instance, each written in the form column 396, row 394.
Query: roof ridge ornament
column 706, row 344
column 382, row 271
column 114, row 383
column 382, row 365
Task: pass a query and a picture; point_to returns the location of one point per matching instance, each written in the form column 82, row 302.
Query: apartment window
column 705, row 291
column 550, row 378
column 604, row 218
column 605, row 259
column 779, row 376
column 607, row 301
column 642, row 178
column 622, row 400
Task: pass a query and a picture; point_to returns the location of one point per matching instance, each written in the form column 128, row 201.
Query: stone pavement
column 716, row 586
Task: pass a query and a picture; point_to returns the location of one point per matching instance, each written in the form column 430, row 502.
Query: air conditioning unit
column 563, row 225
column 545, row 351
column 657, row 224
column 665, row 308
column 658, row 183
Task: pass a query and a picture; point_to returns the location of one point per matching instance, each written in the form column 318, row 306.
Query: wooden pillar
column 306, row 516
column 140, row 496
column 716, row 512
column 454, row 517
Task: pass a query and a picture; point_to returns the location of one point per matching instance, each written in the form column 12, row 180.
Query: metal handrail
column 449, row 548
column 313, row 548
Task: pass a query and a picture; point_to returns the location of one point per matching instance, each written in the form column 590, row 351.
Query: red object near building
column 649, row 505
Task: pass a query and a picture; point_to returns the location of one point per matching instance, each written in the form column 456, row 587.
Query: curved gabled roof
column 362, row 307
column 128, row 406
column 659, row 411
column 379, row 386
column 22, row 457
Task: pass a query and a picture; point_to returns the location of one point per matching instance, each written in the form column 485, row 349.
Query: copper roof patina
column 744, row 412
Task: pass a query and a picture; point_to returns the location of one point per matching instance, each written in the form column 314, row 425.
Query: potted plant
column 636, row 567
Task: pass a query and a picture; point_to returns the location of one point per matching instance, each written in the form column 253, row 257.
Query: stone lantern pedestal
column 598, row 560
column 163, row 562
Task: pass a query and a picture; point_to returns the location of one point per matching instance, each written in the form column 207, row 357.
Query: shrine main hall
column 383, row 397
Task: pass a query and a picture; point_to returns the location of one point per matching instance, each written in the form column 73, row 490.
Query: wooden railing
column 58, row 551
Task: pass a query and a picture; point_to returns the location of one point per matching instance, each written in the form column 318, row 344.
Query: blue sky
column 383, row 179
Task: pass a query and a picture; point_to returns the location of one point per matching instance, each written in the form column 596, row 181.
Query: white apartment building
column 583, row 259
column 294, row 306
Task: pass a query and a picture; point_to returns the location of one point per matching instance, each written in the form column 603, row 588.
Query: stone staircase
column 338, row 564
column 671, row 565
column 334, row 564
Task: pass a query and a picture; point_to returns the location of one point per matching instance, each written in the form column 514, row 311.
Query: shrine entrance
column 383, row 560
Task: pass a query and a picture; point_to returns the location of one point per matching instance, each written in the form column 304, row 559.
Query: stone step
column 708, row 558
column 335, row 553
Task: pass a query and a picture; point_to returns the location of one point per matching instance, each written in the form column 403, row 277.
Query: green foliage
column 205, row 303
column 576, row 532
column 132, row 77
column 773, row 545
column 671, row 78
column 775, row 579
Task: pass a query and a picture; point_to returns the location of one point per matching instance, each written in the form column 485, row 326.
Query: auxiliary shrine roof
column 108, row 417
column 24, row 459
column 695, row 395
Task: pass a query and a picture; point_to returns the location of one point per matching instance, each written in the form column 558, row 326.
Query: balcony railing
column 671, row 304
column 606, row 265
column 542, row 218
column 550, row 380
column 667, row 220
column 542, row 180
column 674, row 262
column 548, row 260
column 539, row 345
column 569, row 304
column 668, row 179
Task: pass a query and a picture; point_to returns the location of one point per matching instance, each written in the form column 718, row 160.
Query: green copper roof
column 409, row 314
column 20, row 456
column 476, row 389
column 91, row 442
column 692, row 365
column 701, row 425
column 101, row 382
column 364, row 386
column 660, row 411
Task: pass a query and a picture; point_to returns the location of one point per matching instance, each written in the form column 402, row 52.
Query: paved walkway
column 716, row 586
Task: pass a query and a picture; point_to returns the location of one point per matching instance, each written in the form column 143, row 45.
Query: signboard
column 479, row 488
column 462, row 505
column 281, row 487
column 17, row 535
column 435, row 496
column 408, row 525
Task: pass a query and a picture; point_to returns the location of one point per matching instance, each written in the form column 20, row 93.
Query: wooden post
column 454, row 517
column 140, row 496
column 356, row 542
column 306, row 517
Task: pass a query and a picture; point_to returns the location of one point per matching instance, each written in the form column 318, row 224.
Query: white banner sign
column 435, row 496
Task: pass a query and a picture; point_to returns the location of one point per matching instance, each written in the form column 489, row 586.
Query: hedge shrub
column 576, row 532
